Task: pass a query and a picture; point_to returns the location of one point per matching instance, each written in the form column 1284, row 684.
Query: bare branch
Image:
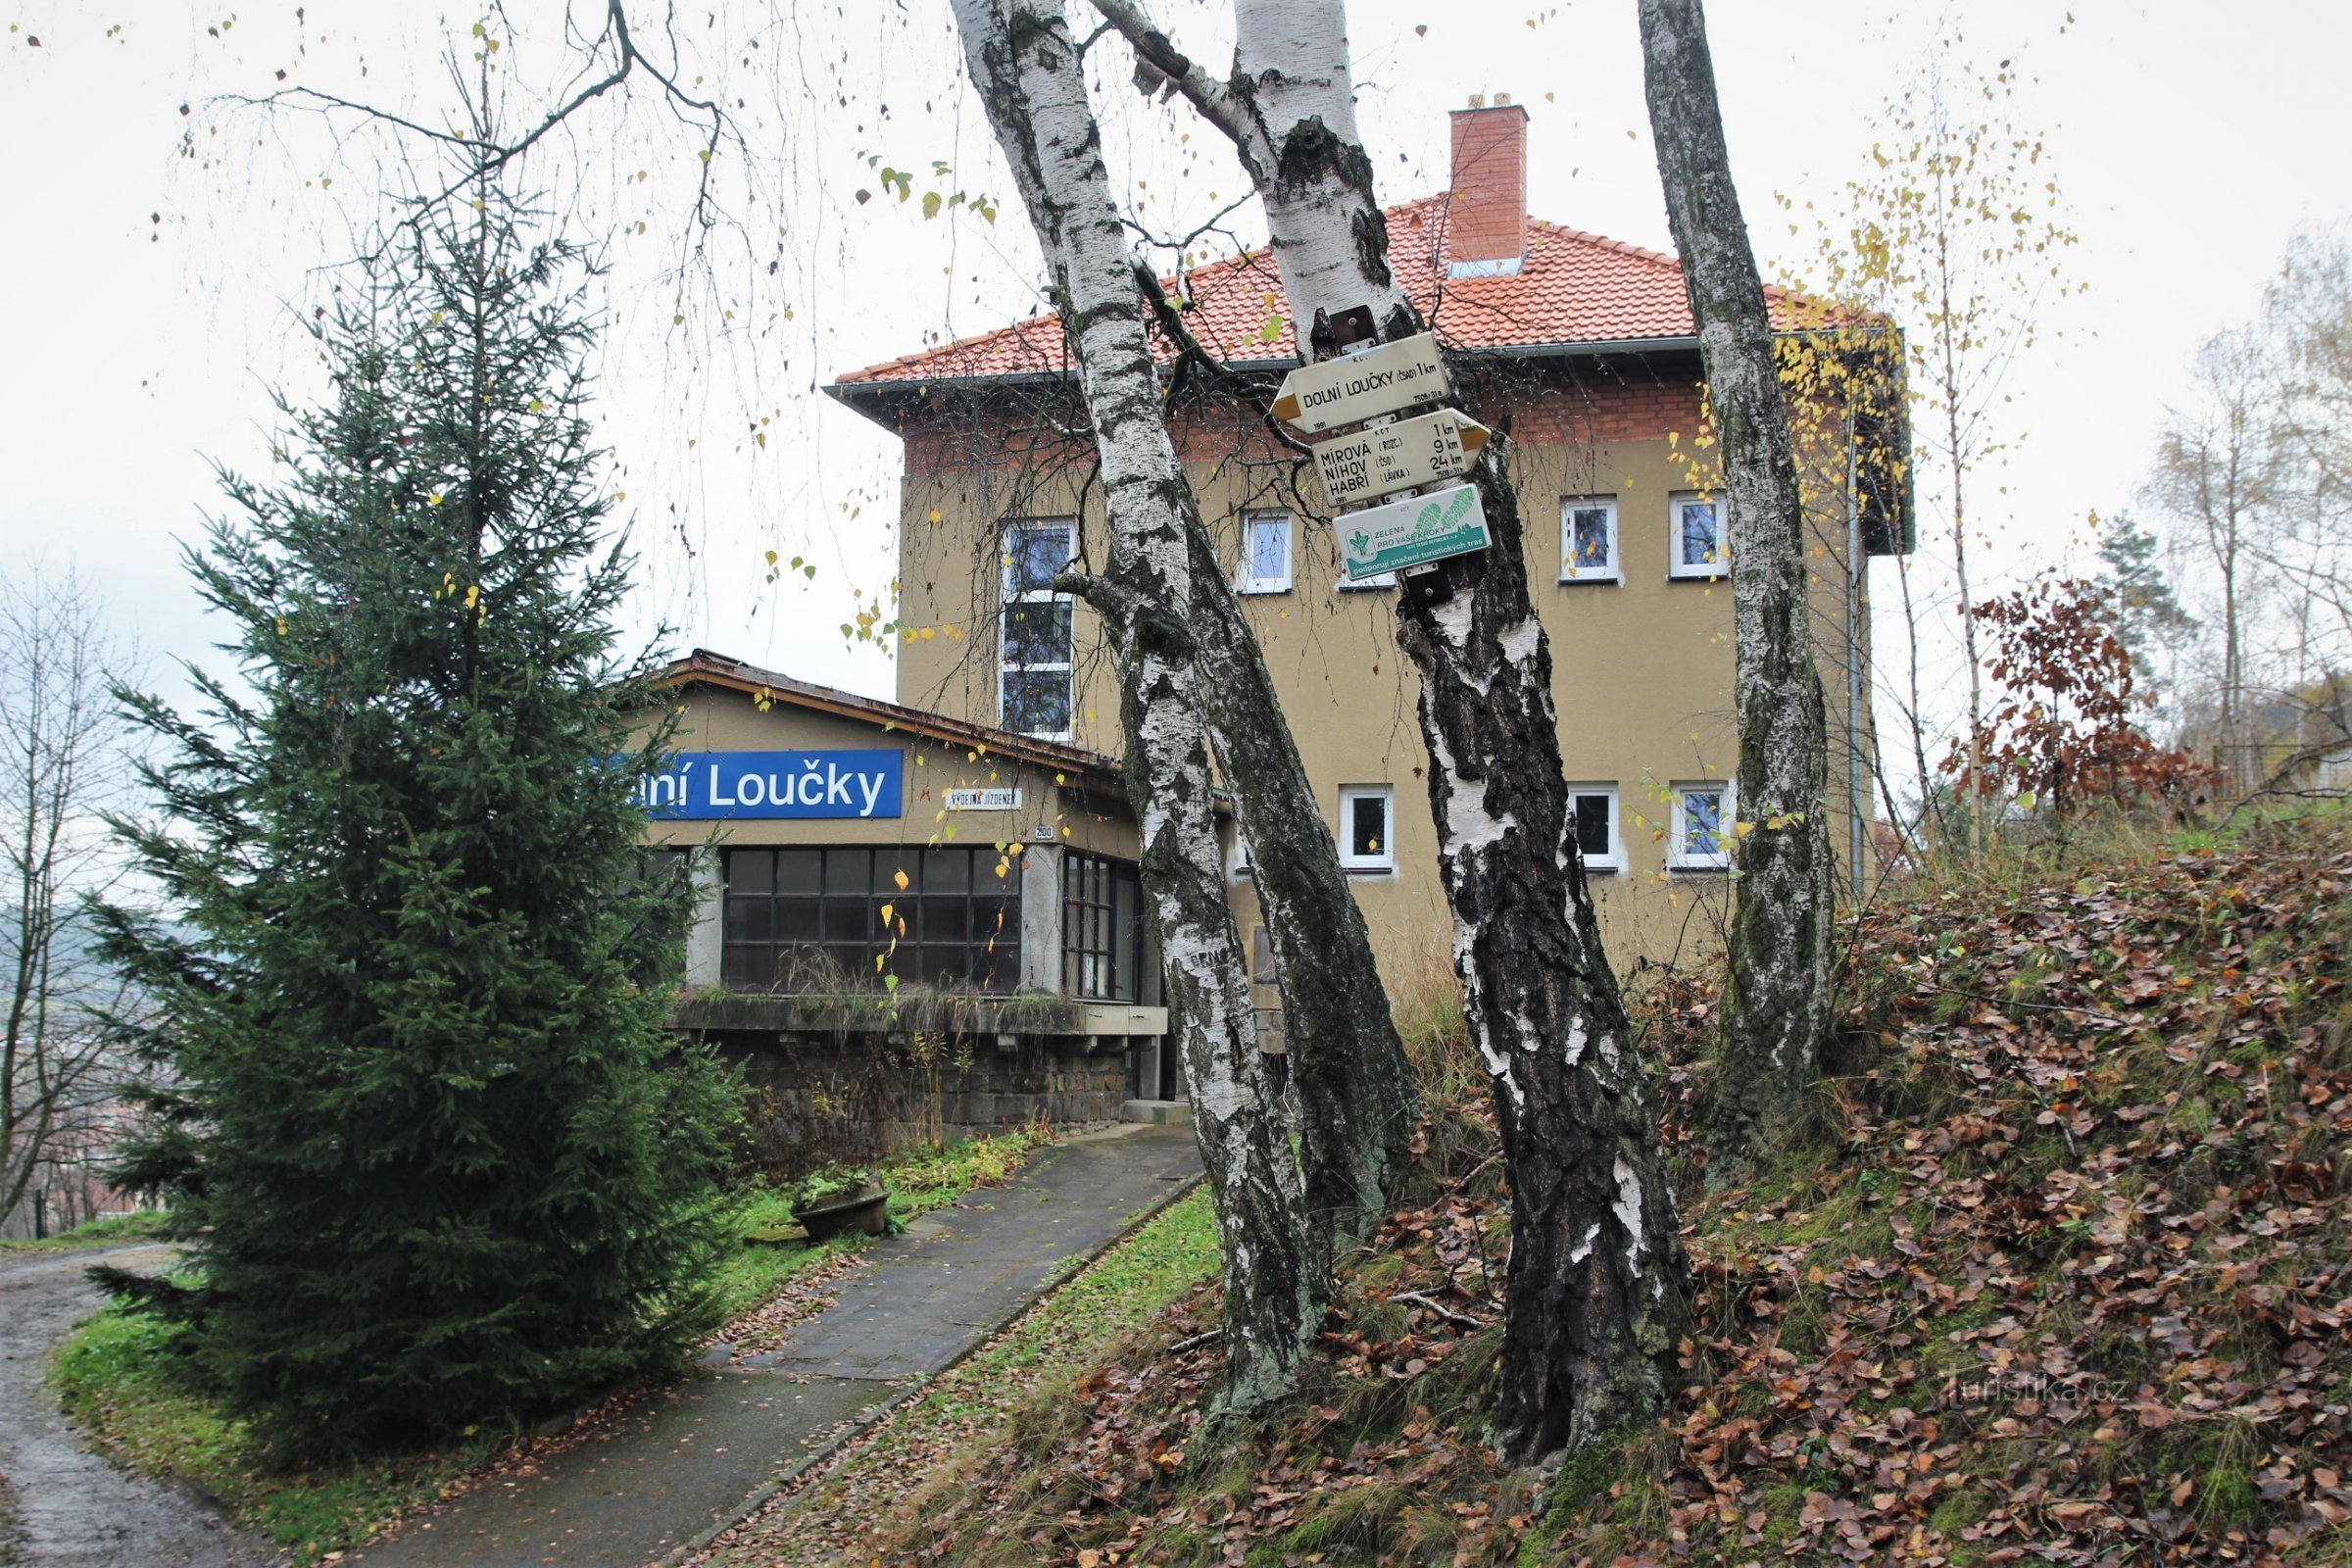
column 1216, row 105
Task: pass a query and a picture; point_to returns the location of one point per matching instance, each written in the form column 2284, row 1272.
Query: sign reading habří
column 752, row 785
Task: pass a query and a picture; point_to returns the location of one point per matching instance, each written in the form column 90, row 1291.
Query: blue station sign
column 738, row 786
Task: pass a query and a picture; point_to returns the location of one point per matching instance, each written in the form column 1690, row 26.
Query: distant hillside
column 2064, row 1280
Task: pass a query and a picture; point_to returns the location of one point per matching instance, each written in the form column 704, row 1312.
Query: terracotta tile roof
column 703, row 667
column 1574, row 289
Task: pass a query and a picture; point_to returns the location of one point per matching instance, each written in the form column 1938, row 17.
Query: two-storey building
column 1586, row 360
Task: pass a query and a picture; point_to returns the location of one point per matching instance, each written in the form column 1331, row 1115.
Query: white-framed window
column 1698, row 543
column 1589, row 539
column 1597, row 836
column 1367, row 816
column 1265, row 553
column 1035, row 656
column 1698, row 834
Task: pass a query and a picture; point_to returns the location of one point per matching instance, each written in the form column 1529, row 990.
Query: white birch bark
column 1031, row 79
column 1593, row 1298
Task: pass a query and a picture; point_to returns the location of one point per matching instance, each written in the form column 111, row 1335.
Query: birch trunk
column 1031, row 79
column 1593, row 1295
column 1779, row 1009
column 1348, row 1066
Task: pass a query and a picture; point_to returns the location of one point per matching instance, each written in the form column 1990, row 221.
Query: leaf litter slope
column 2062, row 1280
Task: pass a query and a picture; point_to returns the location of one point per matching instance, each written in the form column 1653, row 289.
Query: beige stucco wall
column 1056, row 808
column 1641, row 667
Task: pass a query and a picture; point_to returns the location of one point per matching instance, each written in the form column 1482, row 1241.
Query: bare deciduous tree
column 61, row 765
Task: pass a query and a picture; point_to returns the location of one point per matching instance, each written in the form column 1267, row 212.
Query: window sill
column 1249, row 590
column 1368, row 871
column 1594, row 579
column 1698, row 576
column 1700, row 868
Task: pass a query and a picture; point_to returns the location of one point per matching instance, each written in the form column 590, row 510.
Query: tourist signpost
column 1413, row 532
column 1429, row 448
column 1403, row 374
column 1405, row 455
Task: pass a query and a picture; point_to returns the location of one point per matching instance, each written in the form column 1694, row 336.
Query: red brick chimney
column 1486, row 226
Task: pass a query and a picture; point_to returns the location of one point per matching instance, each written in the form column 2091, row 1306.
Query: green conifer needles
column 427, row 1140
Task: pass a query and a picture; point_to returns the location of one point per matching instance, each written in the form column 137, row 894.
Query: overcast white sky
column 150, row 296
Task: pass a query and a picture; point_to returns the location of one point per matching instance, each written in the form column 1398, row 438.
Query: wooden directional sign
column 1403, row 375
column 1408, row 532
column 1388, row 458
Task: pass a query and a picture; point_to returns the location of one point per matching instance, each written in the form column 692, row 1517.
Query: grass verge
column 115, row 1230
column 123, row 1381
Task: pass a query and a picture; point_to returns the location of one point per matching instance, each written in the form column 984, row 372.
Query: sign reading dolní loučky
column 1404, row 374
column 715, row 786
column 1411, row 532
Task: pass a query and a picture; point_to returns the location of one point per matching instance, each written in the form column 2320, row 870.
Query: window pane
column 1592, row 825
column 796, row 920
column 1125, row 930
column 848, row 871
column 747, row 919
column 946, row 920
column 749, row 870
column 1038, row 634
column 744, row 966
column 1701, row 535
column 1368, row 825
column 1589, row 537
column 1036, row 554
column 1702, row 821
column 1270, row 549
column 796, row 870
column 845, row 919
column 1037, row 702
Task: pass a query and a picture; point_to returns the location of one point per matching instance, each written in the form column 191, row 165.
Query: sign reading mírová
column 1408, row 532
column 1403, row 375
column 1388, row 458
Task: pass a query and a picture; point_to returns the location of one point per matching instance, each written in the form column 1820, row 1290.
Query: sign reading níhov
column 1408, row 532
column 1379, row 461
column 1403, row 375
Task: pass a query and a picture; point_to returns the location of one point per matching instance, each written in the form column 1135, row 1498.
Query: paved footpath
column 684, row 1461
column 73, row 1509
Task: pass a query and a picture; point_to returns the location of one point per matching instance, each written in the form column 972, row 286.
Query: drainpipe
column 1855, row 565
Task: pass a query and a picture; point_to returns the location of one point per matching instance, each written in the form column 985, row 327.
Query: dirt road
column 72, row 1508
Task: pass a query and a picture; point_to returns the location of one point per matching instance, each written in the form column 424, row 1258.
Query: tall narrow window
column 1699, row 547
column 1595, row 808
column 1101, row 927
column 1265, row 553
column 1034, row 690
column 1589, row 539
column 1367, row 812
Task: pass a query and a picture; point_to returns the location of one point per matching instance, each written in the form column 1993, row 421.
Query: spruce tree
column 428, row 1144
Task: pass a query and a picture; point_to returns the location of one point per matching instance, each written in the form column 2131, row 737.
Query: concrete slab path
column 683, row 1462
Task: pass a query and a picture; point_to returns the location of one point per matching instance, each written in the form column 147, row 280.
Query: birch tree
column 1030, row 75
column 1779, row 1009
column 1592, row 1294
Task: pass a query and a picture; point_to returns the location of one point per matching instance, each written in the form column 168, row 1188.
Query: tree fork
column 1593, row 1297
